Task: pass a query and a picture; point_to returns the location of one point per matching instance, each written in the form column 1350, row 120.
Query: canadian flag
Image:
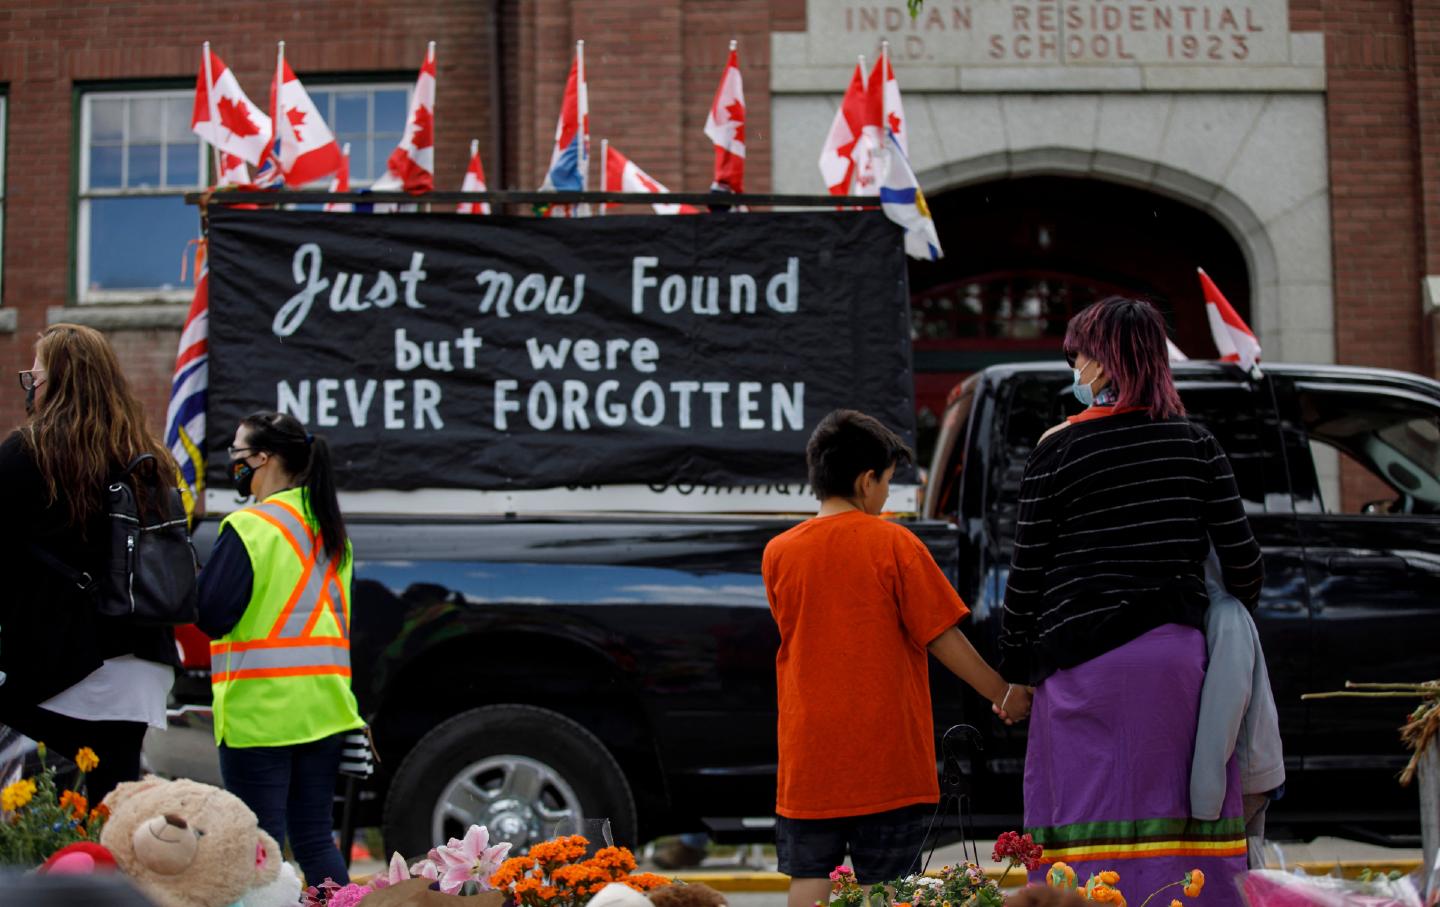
column 725, row 125
column 837, row 164
column 341, row 182
column 223, row 115
column 1233, row 338
column 412, row 164
column 306, row 148
column 887, row 110
column 474, row 182
column 233, row 171
column 621, row 175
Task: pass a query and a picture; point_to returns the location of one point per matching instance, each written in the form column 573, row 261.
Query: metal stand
column 1430, row 821
column 954, row 794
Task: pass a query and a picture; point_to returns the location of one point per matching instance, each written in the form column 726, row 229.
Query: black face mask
column 242, row 474
column 30, row 402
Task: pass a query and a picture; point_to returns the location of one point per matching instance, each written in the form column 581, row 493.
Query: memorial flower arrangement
column 37, row 818
column 555, row 873
column 1102, row 886
column 964, row 885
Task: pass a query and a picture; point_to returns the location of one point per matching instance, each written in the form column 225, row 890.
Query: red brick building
column 1068, row 147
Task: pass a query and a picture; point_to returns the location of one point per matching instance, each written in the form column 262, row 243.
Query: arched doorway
column 1022, row 255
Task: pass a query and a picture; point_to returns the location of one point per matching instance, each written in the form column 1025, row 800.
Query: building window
column 370, row 118
column 138, row 158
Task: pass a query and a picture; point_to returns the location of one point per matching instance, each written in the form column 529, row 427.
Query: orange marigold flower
column 86, row 760
column 75, row 804
column 1194, row 883
column 1109, row 877
column 1176, row 903
column 102, row 811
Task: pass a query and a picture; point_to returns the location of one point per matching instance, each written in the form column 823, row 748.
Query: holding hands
column 1015, row 704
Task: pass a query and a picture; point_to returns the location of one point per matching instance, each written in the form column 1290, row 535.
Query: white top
column 122, row 689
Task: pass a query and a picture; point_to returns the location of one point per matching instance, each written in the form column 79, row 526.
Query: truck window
column 1231, row 413
column 1388, row 441
column 942, row 491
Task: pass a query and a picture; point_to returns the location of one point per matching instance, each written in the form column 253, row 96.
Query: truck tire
column 516, row 769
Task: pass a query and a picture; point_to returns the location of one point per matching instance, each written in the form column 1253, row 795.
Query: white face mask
column 1082, row 390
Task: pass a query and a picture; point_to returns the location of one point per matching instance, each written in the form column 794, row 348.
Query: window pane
column 380, row 151
column 390, row 111
column 105, row 163
column 136, row 243
column 182, row 166
column 352, row 111
column 359, row 160
column 107, row 120
column 177, row 120
column 144, row 167
column 146, row 119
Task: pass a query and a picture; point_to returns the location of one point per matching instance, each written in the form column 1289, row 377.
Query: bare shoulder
column 1054, row 430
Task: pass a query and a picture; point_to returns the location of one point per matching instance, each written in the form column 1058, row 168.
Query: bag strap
column 137, row 461
column 82, row 580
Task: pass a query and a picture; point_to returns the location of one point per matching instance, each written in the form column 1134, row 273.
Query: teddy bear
column 187, row 844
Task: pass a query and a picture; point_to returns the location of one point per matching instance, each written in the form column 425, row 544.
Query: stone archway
column 1256, row 162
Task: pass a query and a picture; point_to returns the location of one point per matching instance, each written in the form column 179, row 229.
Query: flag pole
column 214, row 111
column 604, row 171
column 733, row 44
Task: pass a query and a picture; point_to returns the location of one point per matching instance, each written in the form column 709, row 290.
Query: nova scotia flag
column 904, row 203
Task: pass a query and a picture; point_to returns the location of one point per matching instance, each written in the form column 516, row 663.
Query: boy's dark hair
column 846, row 444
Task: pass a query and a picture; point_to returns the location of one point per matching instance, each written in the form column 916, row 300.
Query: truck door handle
column 1367, row 565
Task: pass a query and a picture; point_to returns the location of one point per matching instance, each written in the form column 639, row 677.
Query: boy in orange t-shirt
column 859, row 602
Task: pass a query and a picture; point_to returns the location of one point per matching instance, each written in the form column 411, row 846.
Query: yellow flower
column 86, row 760
column 1194, row 882
column 17, row 795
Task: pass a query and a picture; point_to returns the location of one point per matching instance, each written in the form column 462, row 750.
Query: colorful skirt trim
column 1107, row 773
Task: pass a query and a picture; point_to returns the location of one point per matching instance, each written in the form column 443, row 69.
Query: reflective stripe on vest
column 289, row 649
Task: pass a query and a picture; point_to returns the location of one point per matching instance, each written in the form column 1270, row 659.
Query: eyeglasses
column 31, row 379
column 237, row 452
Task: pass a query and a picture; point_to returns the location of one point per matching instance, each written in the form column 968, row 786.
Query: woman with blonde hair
column 74, row 678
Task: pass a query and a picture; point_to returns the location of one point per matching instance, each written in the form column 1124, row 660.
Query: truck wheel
column 518, row 770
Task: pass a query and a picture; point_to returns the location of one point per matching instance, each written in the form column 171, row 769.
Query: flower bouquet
column 37, row 818
column 555, row 874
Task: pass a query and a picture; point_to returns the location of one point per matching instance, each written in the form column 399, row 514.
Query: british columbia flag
column 570, row 160
column 185, row 418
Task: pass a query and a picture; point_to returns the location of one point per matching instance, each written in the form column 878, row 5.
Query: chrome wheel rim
column 518, row 799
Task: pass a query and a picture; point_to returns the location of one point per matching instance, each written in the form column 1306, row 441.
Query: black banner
column 439, row 350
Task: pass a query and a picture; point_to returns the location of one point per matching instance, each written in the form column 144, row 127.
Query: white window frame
column 83, row 293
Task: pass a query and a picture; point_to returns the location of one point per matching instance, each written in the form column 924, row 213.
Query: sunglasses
column 31, row 379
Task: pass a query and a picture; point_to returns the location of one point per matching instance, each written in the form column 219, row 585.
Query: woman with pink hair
column 1104, row 613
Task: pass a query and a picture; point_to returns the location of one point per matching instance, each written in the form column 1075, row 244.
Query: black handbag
column 151, row 574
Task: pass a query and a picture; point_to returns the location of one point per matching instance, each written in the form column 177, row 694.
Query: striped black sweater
column 1116, row 518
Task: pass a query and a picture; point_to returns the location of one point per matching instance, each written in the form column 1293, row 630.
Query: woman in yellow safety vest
column 275, row 598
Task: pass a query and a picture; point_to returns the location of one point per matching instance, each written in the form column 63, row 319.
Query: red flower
column 1018, row 850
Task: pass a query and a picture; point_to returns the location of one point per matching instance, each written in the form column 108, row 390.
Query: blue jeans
column 292, row 787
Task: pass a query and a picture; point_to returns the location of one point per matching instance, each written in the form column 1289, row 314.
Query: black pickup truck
column 519, row 671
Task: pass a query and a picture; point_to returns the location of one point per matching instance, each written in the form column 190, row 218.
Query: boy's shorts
column 882, row 846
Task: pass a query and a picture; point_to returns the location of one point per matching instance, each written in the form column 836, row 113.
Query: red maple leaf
column 647, row 182
column 236, row 118
column 736, row 111
column 424, row 134
column 296, row 116
column 894, row 124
